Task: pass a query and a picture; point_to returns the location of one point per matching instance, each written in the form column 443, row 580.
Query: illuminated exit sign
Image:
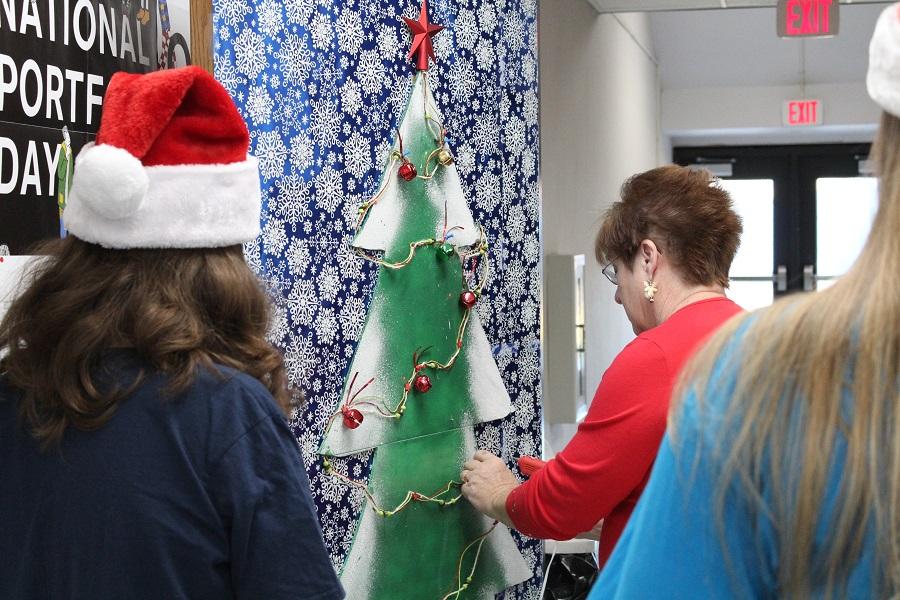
column 801, row 113
column 808, row 18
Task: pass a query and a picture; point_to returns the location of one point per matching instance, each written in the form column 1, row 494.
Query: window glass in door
column 845, row 207
column 751, row 271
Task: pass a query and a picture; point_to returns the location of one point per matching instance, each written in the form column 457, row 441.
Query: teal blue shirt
column 672, row 546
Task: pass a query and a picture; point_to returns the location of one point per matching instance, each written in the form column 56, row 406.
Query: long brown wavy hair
column 179, row 310
column 818, row 376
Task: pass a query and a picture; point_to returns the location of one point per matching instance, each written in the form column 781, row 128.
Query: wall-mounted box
column 565, row 396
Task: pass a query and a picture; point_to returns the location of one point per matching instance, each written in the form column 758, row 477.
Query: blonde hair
column 799, row 363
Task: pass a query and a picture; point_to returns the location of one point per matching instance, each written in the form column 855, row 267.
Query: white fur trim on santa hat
column 183, row 206
column 883, row 78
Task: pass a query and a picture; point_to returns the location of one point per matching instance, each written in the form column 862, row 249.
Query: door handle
column 781, row 278
column 809, row 278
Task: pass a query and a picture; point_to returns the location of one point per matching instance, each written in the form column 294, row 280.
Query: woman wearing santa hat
column 144, row 451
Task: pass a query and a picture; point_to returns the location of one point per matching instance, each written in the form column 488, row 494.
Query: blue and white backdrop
column 321, row 84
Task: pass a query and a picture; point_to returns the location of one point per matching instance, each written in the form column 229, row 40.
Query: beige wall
column 599, row 124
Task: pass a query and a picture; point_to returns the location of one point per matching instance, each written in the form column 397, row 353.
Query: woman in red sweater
column 668, row 246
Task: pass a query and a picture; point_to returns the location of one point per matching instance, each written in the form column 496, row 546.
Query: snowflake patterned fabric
column 322, row 84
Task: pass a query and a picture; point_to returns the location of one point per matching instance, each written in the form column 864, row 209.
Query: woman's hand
column 486, row 484
column 593, row 534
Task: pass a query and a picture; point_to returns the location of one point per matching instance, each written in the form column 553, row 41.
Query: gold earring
column 650, row 290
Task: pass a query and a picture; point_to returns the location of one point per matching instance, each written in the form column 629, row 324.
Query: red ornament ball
column 407, row 171
column 352, row 418
column 468, row 299
column 422, row 383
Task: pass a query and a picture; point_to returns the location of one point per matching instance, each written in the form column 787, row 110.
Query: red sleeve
column 610, row 454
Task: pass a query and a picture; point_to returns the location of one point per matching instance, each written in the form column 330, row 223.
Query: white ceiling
column 652, row 5
column 740, row 47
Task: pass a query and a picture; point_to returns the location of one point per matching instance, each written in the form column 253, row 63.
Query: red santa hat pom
column 169, row 167
column 883, row 78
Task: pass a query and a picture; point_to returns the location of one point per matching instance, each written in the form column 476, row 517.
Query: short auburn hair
column 685, row 212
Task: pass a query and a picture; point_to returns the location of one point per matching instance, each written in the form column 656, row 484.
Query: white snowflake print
column 250, row 53
column 485, row 58
column 294, row 57
column 300, row 361
column 484, row 134
column 529, row 68
column 270, row 152
column 278, row 325
column 322, row 31
column 530, row 107
column 350, row 31
column 515, row 280
column 326, row 327
column 462, row 79
column 329, row 283
column 349, row 264
column 529, row 164
column 357, row 157
column 298, row 257
column 301, row 152
column 514, row 135
column 226, row 74
column 399, row 96
column 531, row 249
column 466, row 29
column 303, row 302
column 529, row 311
column 516, row 223
column 351, row 99
column 443, row 47
column 232, row 12
column 329, row 191
column 387, row 40
column 487, row 16
column 299, row 11
column 487, row 191
column 529, row 362
column 513, row 32
column 326, row 122
column 352, row 316
column 252, row 256
column 270, row 20
column 370, row 71
column 273, row 236
column 293, row 200
column 490, row 439
column 465, row 159
column 259, row 104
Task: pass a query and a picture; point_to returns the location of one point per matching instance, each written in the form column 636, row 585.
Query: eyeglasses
column 610, row 272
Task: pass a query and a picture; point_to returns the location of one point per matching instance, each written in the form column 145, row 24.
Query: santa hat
column 169, row 167
column 883, row 78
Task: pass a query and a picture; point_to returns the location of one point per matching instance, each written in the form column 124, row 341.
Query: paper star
column 422, row 31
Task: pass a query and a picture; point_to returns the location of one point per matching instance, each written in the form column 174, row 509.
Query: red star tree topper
column 422, row 31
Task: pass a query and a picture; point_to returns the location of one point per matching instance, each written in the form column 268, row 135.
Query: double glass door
column 807, row 211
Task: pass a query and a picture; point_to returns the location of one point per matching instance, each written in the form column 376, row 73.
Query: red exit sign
column 801, row 113
column 808, row 18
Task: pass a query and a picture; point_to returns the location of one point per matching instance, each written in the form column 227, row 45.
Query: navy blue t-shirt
column 198, row 495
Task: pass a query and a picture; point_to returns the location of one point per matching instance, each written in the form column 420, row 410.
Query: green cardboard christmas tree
column 422, row 376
